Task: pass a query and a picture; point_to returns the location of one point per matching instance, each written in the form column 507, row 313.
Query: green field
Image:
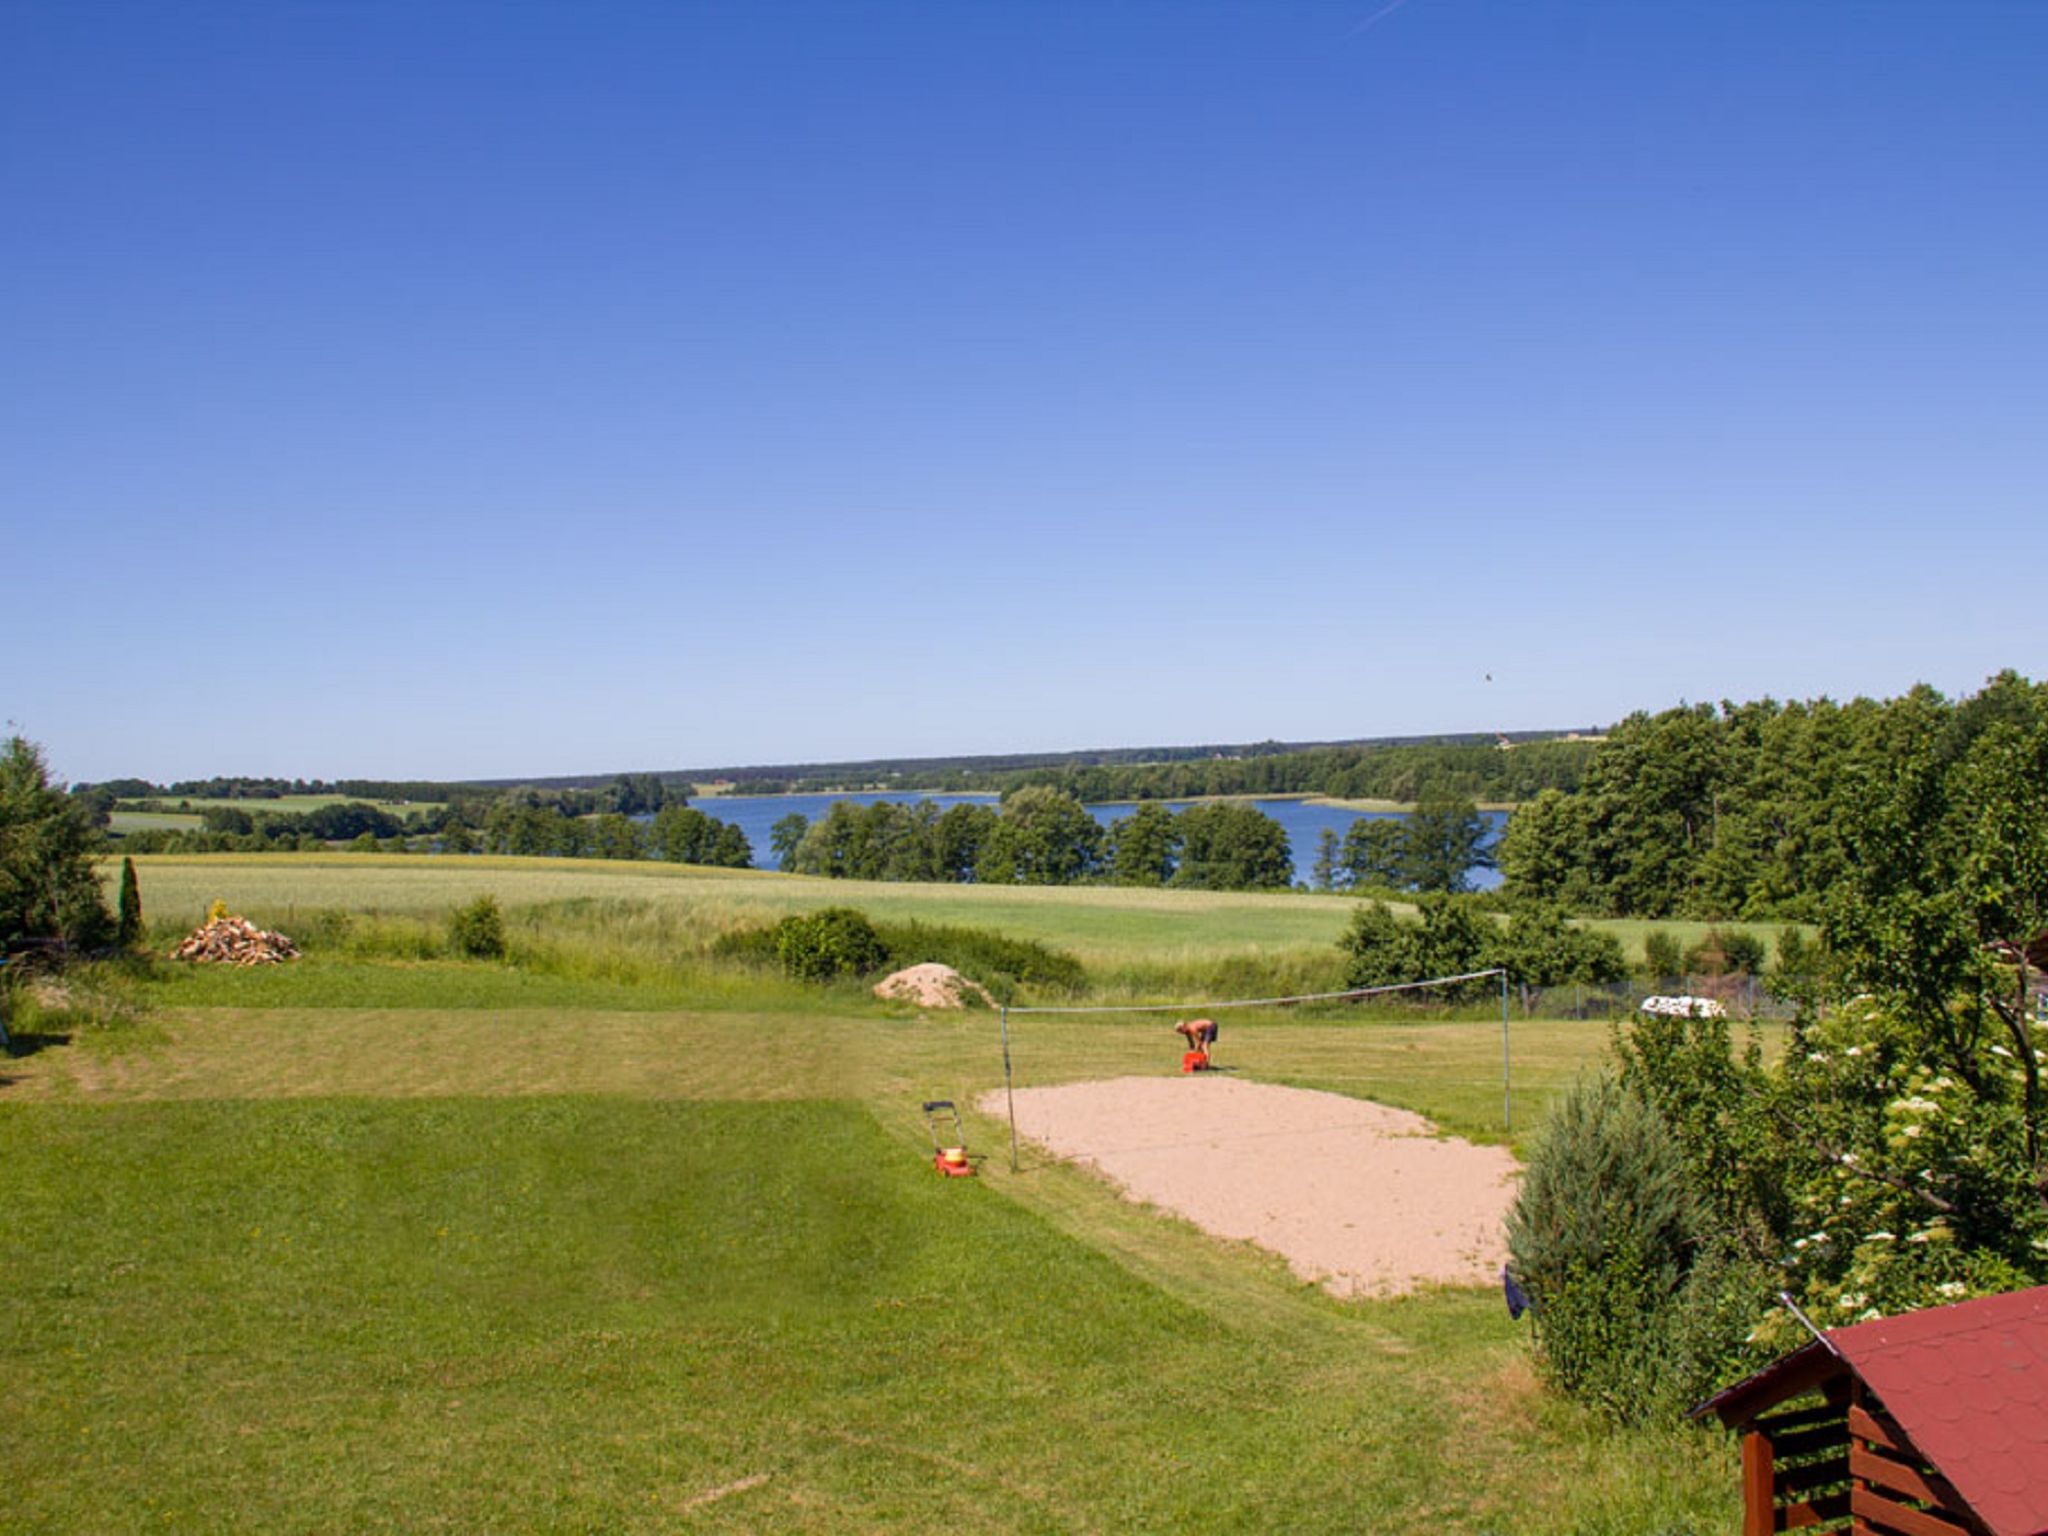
column 291, row 804
column 1102, row 925
column 284, row 1261
column 120, row 823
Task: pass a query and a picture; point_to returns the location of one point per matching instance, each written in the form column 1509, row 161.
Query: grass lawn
column 281, row 1261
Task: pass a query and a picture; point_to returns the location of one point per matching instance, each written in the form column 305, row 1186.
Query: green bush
column 829, row 943
column 1601, row 1235
column 1662, row 957
column 478, row 929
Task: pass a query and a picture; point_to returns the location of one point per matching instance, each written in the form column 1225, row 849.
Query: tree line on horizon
column 1485, row 771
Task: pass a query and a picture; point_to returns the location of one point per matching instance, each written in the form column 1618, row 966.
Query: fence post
column 1009, row 1090
column 1507, row 1082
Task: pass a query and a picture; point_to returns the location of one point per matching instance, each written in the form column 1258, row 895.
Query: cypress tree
column 129, row 931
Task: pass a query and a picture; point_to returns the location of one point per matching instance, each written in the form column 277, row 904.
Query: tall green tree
column 1226, row 846
column 1327, row 871
column 1041, row 837
column 1144, row 846
column 784, row 837
column 1375, row 853
column 1444, row 840
column 957, row 839
column 48, row 889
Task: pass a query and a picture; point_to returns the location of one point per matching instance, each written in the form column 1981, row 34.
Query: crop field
column 290, row 804
column 584, row 1246
column 1102, row 925
column 122, row 822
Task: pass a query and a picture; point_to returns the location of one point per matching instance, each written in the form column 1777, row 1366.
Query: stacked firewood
column 235, row 941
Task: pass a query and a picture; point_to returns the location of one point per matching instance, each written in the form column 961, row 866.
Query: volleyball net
column 1113, row 1050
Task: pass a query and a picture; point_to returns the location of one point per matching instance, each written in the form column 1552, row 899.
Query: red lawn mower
column 950, row 1157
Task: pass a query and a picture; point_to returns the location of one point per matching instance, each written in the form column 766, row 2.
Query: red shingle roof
column 1969, row 1383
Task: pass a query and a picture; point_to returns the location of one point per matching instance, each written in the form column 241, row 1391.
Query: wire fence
column 1743, row 996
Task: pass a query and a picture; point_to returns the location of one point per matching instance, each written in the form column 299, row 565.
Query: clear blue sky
column 520, row 388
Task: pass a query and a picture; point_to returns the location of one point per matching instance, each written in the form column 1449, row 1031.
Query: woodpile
column 235, row 941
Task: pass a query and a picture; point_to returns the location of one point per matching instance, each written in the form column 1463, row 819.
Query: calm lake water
column 755, row 814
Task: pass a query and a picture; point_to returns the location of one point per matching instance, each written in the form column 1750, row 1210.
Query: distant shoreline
column 702, row 795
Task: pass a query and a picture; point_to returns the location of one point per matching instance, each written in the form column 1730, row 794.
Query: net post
column 1009, row 1088
column 1507, row 1079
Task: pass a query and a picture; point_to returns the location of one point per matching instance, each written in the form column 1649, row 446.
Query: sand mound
column 932, row 985
column 1363, row 1199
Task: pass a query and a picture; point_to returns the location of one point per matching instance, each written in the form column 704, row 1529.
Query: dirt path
column 1365, row 1200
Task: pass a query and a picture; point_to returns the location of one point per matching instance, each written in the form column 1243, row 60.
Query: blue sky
column 525, row 388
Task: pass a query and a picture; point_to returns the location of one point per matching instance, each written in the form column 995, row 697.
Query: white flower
column 1854, row 1050
column 1999, row 1050
column 1917, row 1237
column 1849, row 1158
column 1868, row 1315
column 1880, row 1237
column 1911, row 1130
column 1950, row 1289
column 1849, row 1303
column 1816, row 1055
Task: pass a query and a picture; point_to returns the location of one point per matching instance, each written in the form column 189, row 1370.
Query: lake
column 755, row 814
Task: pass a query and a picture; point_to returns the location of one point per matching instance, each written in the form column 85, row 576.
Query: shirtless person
column 1200, row 1033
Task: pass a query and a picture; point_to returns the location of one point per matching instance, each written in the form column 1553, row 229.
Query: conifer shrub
column 128, row 929
column 1602, row 1235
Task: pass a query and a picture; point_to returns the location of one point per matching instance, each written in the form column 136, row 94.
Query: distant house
column 1933, row 1423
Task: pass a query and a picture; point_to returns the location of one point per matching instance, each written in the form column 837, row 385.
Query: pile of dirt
column 235, row 941
column 932, row 985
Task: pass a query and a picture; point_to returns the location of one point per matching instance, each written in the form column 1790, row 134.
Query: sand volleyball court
column 1362, row 1199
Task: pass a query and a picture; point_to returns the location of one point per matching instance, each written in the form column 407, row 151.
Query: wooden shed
column 1934, row 1423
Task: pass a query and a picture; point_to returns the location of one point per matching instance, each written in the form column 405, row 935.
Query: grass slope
column 505, row 1260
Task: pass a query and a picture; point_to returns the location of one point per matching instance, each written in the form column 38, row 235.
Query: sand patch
column 932, row 985
column 1362, row 1199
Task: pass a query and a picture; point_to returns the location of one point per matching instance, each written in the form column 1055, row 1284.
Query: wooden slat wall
column 1894, row 1491
column 1796, row 1470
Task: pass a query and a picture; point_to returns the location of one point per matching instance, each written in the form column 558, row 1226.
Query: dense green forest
column 1753, row 810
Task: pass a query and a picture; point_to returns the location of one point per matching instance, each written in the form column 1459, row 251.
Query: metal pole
column 1009, row 1089
column 1507, row 1080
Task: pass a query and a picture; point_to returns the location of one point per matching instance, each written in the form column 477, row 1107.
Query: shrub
column 829, row 943
column 1383, row 949
column 1725, row 952
column 1601, row 1235
column 478, row 929
column 1662, row 958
